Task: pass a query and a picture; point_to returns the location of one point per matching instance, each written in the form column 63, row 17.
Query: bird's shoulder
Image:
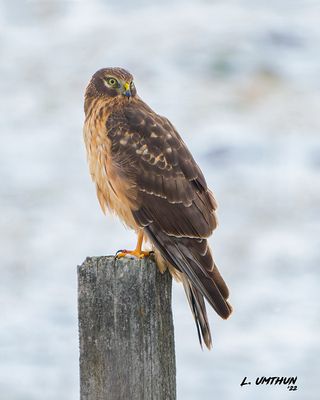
column 149, row 152
column 135, row 128
column 137, row 116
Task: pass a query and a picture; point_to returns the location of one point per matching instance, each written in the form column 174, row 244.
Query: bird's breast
column 111, row 188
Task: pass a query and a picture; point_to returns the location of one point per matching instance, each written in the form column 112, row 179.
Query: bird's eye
column 112, row 82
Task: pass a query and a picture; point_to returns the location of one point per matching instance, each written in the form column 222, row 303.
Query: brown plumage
column 145, row 174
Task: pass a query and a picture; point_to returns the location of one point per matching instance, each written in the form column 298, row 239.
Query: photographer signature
column 289, row 381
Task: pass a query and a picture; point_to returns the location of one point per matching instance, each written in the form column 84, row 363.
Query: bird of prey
column 144, row 173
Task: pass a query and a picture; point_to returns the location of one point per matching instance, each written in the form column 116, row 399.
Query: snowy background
column 241, row 82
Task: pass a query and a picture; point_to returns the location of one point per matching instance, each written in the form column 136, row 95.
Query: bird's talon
column 133, row 253
column 121, row 254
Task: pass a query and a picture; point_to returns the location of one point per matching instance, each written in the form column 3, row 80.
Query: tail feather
column 198, row 308
column 193, row 257
column 199, row 274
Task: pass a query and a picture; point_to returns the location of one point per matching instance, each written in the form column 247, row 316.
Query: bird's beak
column 127, row 91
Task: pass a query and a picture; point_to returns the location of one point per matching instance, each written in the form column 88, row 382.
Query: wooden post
column 126, row 330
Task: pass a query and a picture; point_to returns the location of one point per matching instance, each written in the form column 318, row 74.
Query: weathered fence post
column 126, row 330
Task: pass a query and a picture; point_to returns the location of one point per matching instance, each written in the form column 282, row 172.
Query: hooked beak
column 127, row 91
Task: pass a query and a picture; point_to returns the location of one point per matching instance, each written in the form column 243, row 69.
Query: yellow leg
column 137, row 252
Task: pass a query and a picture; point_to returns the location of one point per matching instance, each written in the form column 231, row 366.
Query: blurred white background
column 240, row 81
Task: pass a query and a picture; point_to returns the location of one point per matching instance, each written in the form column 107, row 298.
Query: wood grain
column 126, row 330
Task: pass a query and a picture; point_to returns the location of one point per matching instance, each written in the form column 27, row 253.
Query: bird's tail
column 199, row 311
column 195, row 299
column 192, row 262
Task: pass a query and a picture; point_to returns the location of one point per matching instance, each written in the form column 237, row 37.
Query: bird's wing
column 171, row 199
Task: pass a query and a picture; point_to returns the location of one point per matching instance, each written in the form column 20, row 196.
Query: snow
column 240, row 81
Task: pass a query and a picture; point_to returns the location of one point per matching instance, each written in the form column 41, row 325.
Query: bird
column 145, row 174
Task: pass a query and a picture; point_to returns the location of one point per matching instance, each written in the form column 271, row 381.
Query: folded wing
column 171, row 201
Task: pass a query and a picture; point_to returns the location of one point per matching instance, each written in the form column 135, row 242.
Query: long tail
column 199, row 312
column 202, row 278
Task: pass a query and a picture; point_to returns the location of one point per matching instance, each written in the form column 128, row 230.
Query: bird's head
column 111, row 82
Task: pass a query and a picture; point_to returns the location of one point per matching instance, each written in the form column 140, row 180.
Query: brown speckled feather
column 144, row 172
column 172, row 201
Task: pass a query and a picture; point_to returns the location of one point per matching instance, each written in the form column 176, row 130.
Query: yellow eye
column 112, row 82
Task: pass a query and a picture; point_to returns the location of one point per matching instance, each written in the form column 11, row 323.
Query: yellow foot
column 134, row 253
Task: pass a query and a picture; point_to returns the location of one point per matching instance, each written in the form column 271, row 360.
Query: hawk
column 144, row 173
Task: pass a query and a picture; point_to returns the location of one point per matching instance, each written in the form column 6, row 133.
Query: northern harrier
column 145, row 174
